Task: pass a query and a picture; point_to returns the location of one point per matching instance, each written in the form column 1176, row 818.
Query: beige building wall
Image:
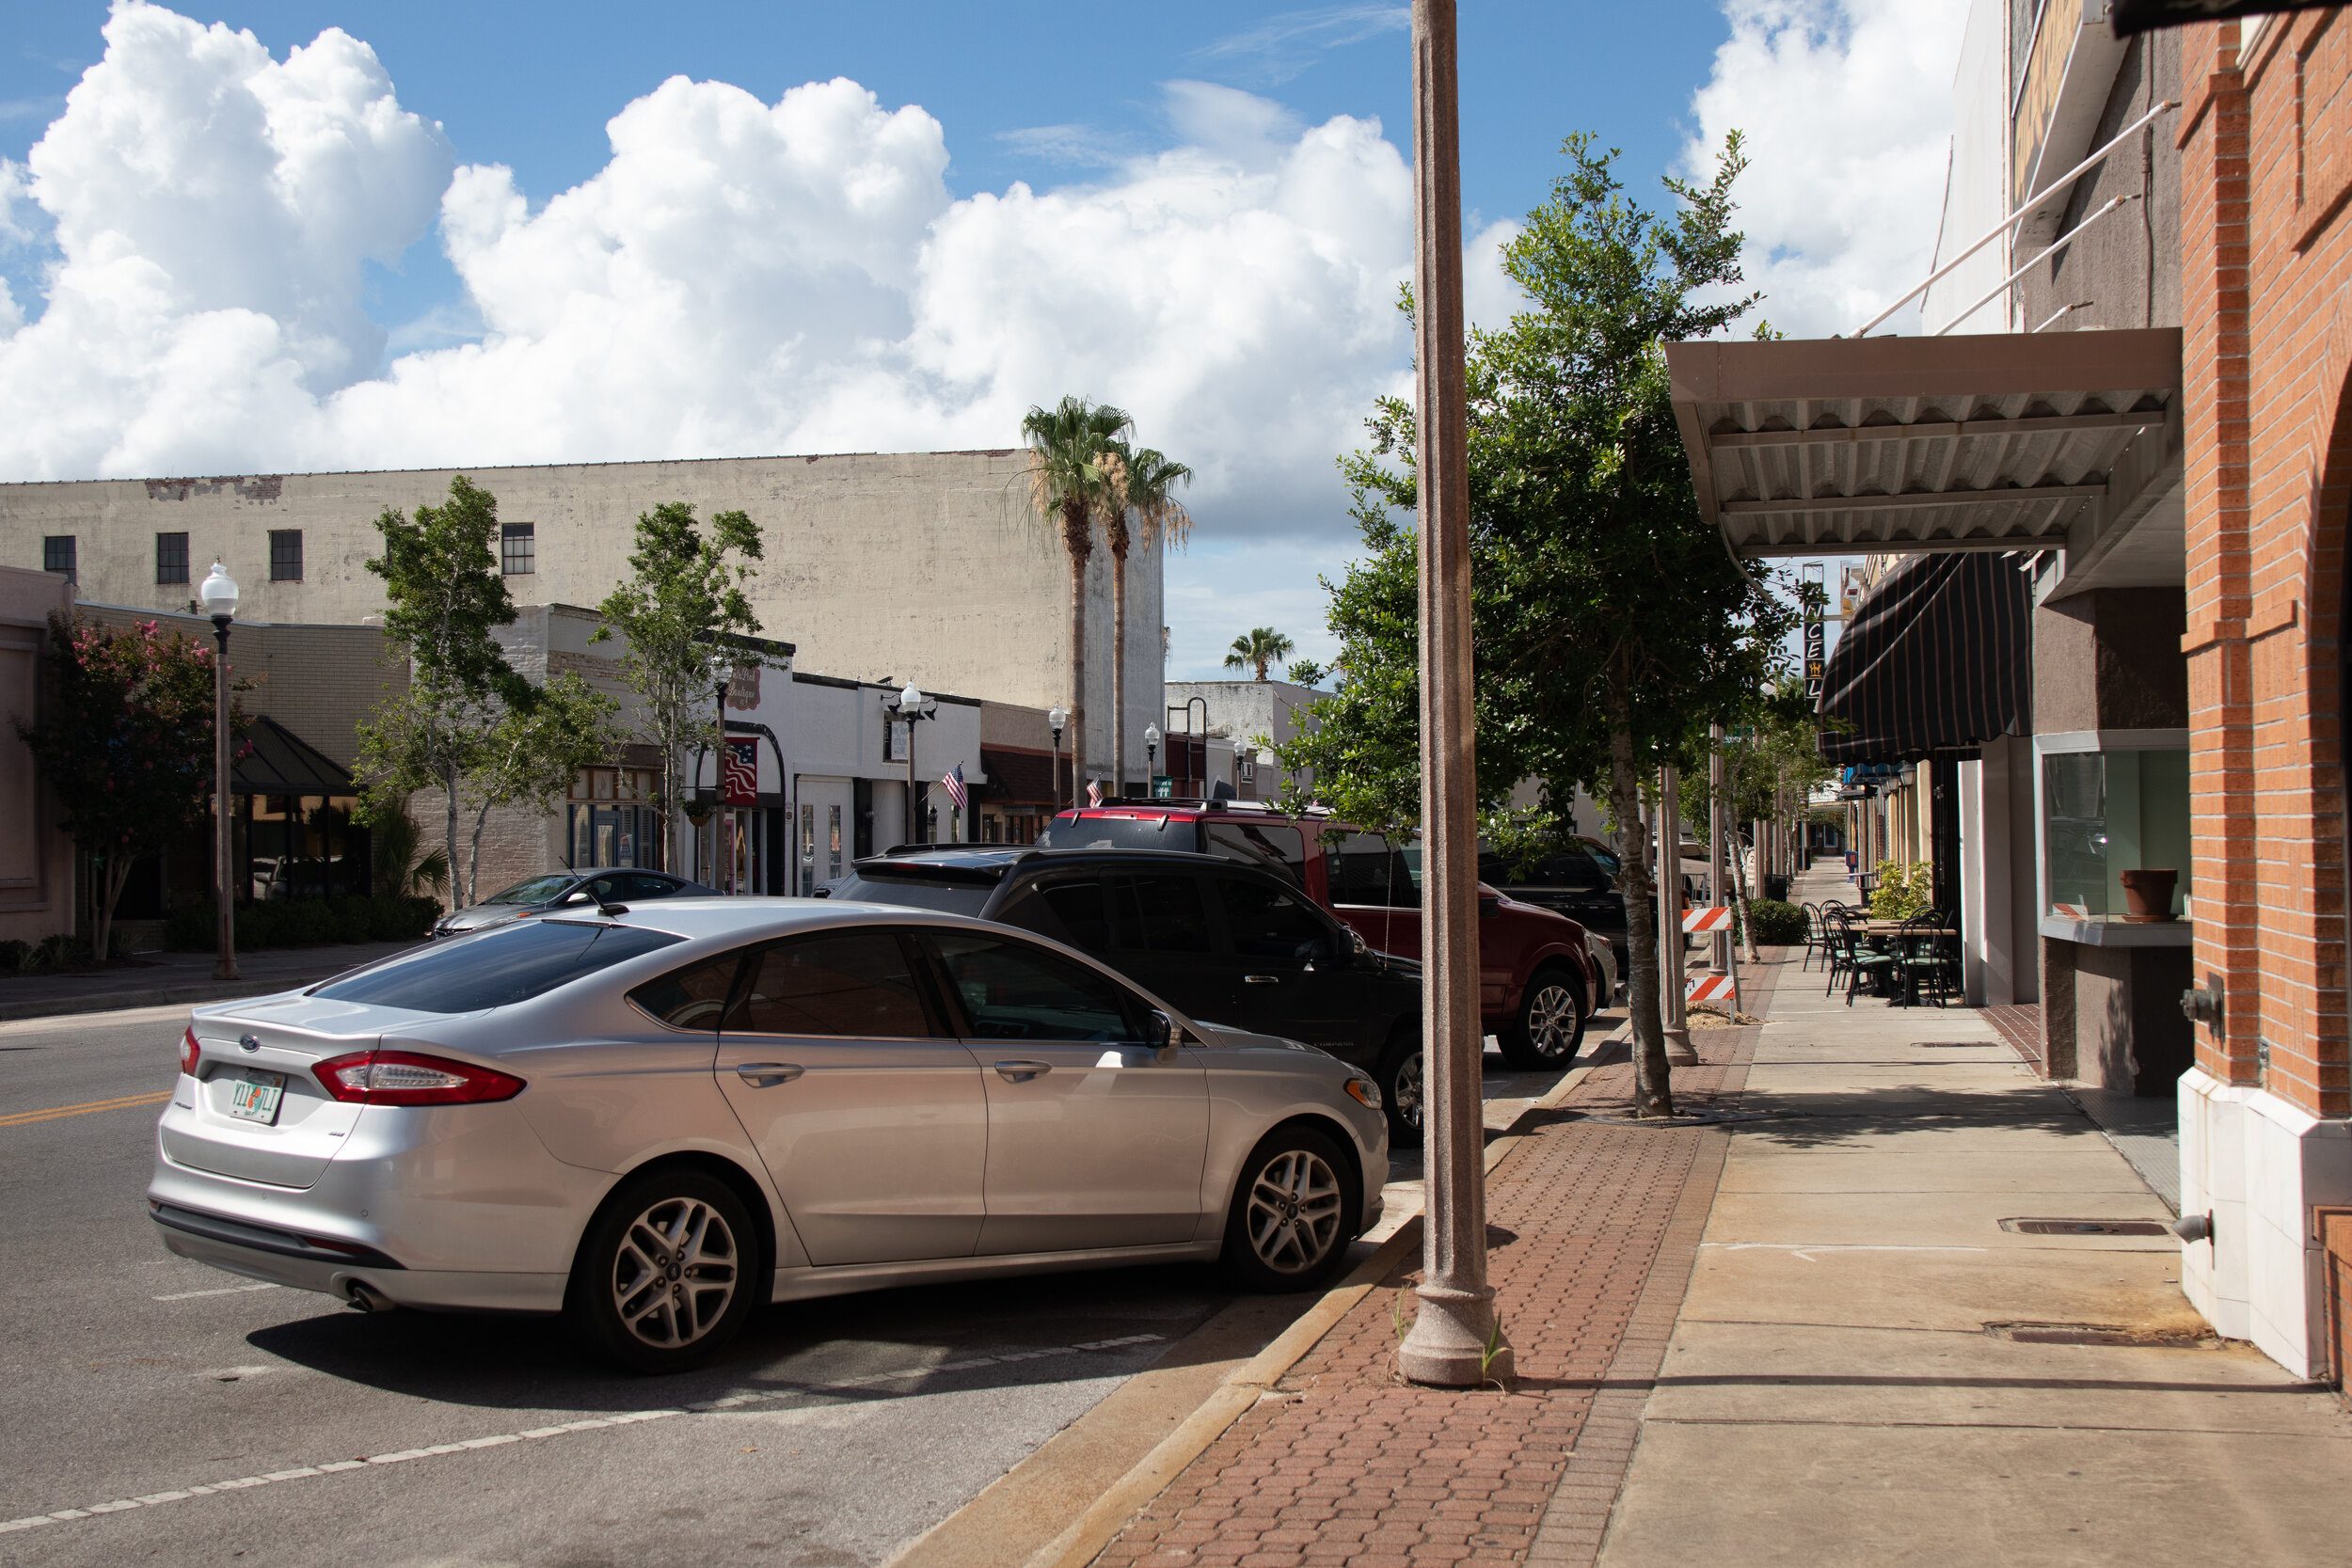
column 923, row 565
column 36, row 857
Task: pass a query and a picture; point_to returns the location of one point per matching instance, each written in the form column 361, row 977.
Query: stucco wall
column 36, row 859
column 924, row 566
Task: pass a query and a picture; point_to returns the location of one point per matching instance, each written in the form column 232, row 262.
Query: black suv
column 1225, row 943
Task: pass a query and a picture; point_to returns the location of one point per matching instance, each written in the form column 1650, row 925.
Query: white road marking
column 223, row 1290
column 592, row 1424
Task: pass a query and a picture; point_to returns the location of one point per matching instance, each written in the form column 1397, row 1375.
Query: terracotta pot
column 2148, row 895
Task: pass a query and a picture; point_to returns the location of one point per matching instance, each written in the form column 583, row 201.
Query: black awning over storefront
column 277, row 761
column 1017, row 778
column 1937, row 659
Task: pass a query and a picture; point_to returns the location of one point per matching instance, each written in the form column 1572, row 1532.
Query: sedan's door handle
column 1021, row 1072
column 767, row 1075
column 1261, row 979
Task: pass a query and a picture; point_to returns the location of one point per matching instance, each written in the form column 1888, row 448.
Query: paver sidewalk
column 1592, row 1227
column 1802, row 1336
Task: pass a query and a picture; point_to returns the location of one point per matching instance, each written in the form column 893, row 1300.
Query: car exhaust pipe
column 365, row 1297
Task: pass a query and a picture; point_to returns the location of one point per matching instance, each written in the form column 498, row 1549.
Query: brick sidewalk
column 1593, row 1232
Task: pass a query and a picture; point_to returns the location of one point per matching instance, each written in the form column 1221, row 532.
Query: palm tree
column 1261, row 646
column 1147, row 487
column 1074, row 459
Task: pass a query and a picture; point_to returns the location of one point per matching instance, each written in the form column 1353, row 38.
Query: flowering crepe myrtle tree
column 126, row 738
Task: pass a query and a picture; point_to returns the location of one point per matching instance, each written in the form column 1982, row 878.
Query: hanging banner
column 743, row 772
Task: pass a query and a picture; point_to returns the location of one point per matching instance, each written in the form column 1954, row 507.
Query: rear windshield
column 537, row 891
column 497, row 969
column 915, row 893
column 1121, row 832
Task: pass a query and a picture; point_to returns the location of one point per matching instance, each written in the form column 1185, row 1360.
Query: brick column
column 2215, row 366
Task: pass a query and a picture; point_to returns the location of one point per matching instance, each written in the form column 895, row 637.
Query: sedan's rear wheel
column 667, row 1274
column 1550, row 1025
column 1294, row 1210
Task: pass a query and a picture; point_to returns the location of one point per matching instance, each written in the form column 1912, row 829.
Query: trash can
column 1776, row 887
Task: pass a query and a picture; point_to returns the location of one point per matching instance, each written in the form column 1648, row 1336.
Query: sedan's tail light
column 408, row 1078
column 190, row 1052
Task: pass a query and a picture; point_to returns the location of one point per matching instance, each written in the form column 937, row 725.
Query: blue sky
column 1175, row 141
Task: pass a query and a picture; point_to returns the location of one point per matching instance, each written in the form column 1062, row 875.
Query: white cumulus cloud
column 741, row 277
column 1847, row 105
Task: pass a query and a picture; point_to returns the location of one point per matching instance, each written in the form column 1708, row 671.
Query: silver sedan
column 655, row 1120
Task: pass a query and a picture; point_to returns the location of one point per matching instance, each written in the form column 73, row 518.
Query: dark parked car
column 567, row 889
column 1226, row 943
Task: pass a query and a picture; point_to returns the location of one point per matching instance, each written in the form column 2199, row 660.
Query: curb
column 1086, row 1537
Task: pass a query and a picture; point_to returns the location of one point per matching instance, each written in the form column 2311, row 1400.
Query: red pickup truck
column 1537, row 980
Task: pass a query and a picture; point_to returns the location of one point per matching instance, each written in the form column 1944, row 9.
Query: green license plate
column 256, row 1096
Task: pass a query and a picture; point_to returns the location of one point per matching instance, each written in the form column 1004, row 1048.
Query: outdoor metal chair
column 1849, row 957
column 1815, row 935
column 1928, row 964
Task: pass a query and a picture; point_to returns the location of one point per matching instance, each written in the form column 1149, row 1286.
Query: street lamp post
column 1055, row 718
column 1151, row 759
column 218, row 595
column 1455, row 1341
column 914, row 708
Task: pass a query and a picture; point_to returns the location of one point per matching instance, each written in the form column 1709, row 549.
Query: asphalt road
column 830, row 1435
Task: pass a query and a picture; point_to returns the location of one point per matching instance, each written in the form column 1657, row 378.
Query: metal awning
column 277, row 761
column 1938, row 659
column 1887, row 444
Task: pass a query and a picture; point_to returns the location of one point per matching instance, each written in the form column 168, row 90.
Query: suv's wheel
column 1404, row 1095
column 667, row 1274
column 1549, row 1024
column 1294, row 1210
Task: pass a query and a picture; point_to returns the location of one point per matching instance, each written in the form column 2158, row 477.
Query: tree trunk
column 1653, row 1094
column 460, row 898
column 473, row 856
column 1118, row 665
column 109, row 891
column 1747, row 909
column 1078, row 537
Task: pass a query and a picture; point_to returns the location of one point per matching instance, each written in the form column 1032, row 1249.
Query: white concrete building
column 929, row 566
column 1227, row 719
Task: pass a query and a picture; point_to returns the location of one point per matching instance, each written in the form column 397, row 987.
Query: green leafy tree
column 1305, row 672
column 1076, row 460
column 1147, row 485
column 1608, row 619
column 126, row 743
column 1257, row 648
column 685, row 593
column 443, row 594
column 531, row 756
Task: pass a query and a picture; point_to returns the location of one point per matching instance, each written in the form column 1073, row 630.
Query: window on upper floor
column 285, row 555
column 518, row 549
column 56, row 555
column 171, row 558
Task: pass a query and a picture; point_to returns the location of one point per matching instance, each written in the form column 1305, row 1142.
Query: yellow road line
column 21, row 1117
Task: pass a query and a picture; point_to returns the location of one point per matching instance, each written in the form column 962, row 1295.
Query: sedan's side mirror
column 580, row 895
column 1159, row 1033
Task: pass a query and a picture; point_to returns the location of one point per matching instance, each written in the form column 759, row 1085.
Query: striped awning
column 1938, row 658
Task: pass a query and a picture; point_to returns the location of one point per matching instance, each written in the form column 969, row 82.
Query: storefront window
column 2105, row 812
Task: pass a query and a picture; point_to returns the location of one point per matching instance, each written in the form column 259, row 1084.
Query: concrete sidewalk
column 165, row 978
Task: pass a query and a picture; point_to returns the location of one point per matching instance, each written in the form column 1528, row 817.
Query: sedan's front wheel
column 1295, row 1209
column 667, row 1274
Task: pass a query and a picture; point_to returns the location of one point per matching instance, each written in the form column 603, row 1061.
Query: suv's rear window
column 1067, row 831
column 916, row 893
column 497, row 968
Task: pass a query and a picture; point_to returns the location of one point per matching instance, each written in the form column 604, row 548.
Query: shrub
column 12, row 956
column 1778, row 925
column 306, row 923
column 1903, row 890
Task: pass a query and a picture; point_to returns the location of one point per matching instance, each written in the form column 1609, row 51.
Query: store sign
column 744, row 687
column 1163, row 788
column 896, row 739
column 1816, row 659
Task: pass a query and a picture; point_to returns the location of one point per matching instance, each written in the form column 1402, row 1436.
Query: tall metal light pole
column 218, row 595
column 1150, row 759
column 914, row 708
column 1455, row 1340
column 1672, row 1000
column 1056, row 718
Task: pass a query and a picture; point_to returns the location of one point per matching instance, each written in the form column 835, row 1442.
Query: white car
column 656, row 1119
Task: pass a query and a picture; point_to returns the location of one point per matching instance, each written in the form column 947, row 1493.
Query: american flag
column 1094, row 792
column 742, row 773
column 956, row 792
